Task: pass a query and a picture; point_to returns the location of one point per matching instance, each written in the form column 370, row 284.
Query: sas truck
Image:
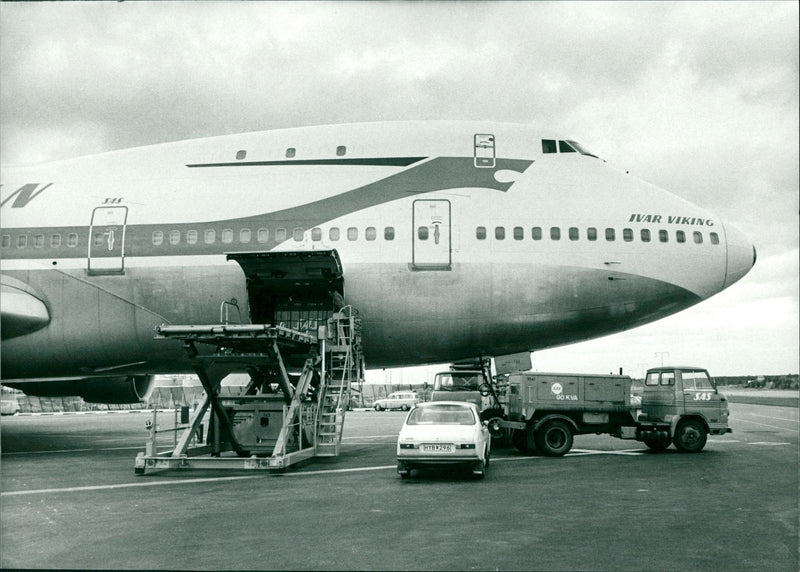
column 679, row 405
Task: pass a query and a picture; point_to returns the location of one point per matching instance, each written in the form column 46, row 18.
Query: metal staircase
column 345, row 367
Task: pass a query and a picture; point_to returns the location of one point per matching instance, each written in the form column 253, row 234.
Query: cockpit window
column 564, row 146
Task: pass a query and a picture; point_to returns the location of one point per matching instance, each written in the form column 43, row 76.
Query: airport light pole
column 662, row 354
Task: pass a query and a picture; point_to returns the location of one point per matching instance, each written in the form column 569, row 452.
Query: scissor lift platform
column 278, row 419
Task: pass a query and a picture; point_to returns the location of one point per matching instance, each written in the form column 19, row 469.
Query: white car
column 404, row 400
column 442, row 433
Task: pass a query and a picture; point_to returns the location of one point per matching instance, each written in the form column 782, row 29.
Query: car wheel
column 690, row 436
column 657, row 443
column 479, row 471
column 403, row 471
column 404, row 407
column 487, row 456
column 554, row 439
column 378, row 407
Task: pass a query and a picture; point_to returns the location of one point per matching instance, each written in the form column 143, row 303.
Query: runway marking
column 768, row 443
column 771, row 417
column 724, row 441
column 575, row 453
column 69, row 451
column 764, row 425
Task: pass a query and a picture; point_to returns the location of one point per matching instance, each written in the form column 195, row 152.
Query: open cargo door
column 300, row 290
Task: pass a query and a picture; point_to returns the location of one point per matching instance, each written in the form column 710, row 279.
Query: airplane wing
column 21, row 310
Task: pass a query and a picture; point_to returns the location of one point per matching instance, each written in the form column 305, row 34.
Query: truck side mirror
column 485, row 390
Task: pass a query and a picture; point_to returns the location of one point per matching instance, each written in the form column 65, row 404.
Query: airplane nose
column 741, row 255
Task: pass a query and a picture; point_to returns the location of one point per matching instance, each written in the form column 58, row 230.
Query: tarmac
column 70, row 500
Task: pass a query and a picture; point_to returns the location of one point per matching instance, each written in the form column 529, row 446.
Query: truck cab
column 687, row 399
column 459, row 385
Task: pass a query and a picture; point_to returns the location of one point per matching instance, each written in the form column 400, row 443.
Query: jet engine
column 116, row 389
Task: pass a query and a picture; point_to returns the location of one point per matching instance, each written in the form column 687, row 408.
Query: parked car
column 9, row 406
column 404, row 400
column 443, row 433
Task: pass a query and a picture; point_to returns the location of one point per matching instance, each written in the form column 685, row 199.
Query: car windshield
column 442, row 415
column 470, row 381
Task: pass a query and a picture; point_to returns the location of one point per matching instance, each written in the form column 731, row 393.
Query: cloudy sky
column 698, row 98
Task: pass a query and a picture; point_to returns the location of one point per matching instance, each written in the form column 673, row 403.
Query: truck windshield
column 696, row 380
column 457, row 381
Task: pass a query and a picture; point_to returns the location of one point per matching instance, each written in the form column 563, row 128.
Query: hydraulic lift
column 301, row 364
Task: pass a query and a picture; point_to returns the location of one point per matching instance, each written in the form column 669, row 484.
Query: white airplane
column 453, row 240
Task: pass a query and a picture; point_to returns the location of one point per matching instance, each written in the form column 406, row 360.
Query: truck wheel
column 657, row 443
column 690, row 436
column 519, row 438
column 499, row 435
column 554, row 439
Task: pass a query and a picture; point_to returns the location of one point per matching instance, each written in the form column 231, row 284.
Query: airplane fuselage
column 456, row 239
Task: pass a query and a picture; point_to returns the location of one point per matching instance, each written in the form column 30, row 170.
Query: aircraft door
column 107, row 240
column 431, row 236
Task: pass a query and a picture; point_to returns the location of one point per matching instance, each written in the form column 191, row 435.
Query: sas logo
column 558, row 391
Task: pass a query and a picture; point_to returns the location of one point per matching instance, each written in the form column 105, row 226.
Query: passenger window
column 290, row 152
column 280, row 234
column 244, row 235
column 480, row 233
column 227, row 235
column 241, row 154
column 627, row 235
column 38, row 241
column 680, row 236
column 555, row 233
column 500, row 232
column 369, row 233
column 22, row 241
column 174, row 237
column 55, row 240
column 262, row 235
column 610, row 235
column 591, row 233
column 663, row 235
column 352, row 233
column 333, row 233
column 645, row 235
column 341, row 150
column 6, row 240
column 536, row 233
column 714, row 238
column 573, row 233
column 548, row 146
column 72, row 240
column 698, row 237
column 388, row 233
column 297, row 234
column 158, row 238
column 422, row 233
column 191, row 237
column 210, row 236
column 316, row 234
column 519, row 234
column 564, row 147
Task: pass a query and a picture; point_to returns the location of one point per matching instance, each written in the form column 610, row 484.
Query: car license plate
column 438, row 448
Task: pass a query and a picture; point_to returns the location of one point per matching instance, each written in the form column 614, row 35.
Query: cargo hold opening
column 299, row 290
